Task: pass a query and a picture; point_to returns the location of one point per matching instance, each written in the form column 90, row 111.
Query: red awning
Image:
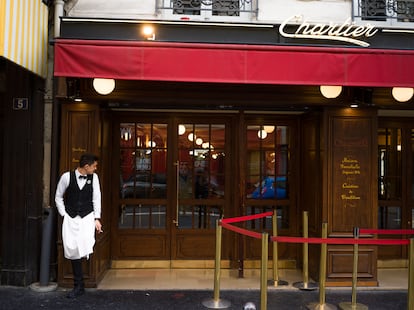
column 232, row 63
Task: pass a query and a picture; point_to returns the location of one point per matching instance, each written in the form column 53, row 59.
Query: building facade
column 23, row 100
column 219, row 108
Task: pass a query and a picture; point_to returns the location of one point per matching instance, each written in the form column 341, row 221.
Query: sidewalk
column 278, row 299
column 148, row 289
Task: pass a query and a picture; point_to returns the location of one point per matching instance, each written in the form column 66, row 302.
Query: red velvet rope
column 340, row 241
column 226, row 224
column 387, row 231
column 246, row 217
column 242, row 230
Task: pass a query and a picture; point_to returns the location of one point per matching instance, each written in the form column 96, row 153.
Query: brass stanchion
column 353, row 305
column 216, row 302
column 263, row 272
column 322, row 276
column 275, row 281
column 305, row 285
column 411, row 276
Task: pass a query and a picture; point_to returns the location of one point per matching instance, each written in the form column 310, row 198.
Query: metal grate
column 214, row 7
column 383, row 10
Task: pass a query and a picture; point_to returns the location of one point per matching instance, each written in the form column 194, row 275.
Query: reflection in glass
column 389, row 217
column 142, row 216
column 143, row 160
column 199, row 216
column 267, row 162
column 389, row 164
column 201, row 160
column 266, row 223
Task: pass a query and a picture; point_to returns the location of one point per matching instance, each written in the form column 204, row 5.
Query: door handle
column 177, row 173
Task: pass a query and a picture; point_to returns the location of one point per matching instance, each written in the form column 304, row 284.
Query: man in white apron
column 78, row 201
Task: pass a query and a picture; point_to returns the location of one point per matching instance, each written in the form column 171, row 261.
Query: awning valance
column 232, row 63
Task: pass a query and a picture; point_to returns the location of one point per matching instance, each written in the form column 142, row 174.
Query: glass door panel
column 143, row 167
column 267, row 175
column 201, row 178
column 395, row 183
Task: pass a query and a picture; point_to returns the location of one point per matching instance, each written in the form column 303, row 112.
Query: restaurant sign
column 346, row 32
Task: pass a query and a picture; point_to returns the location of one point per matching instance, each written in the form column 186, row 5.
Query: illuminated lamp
column 402, row 94
column 148, row 32
column 181, row 130
column 262, row 134
column 104, row 86
column 330, row 91
column 269, row 129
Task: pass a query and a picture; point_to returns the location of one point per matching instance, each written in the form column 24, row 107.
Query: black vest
column 79, row 201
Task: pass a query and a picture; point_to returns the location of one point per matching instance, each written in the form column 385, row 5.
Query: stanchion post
column 322, row 271
column 355, row 267
column 263, row 272
column 275, row 282
column 353, row 305
column 411, row 276
column 305, row 285
column 216, row 302
column 322, row 275
column 275, row 252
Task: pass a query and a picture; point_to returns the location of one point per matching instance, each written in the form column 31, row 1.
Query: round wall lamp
column 330, row 91
column 104, row 86
column 402, row 94
column 262, row 134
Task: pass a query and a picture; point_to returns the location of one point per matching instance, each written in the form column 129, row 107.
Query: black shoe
column 76, row 292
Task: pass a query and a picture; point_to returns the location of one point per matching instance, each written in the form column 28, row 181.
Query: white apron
column 78, row 236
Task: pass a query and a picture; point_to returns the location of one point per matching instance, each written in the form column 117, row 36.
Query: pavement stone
column 21, row 298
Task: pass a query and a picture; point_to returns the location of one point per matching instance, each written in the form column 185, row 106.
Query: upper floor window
column 208, row 10
column 390, row 12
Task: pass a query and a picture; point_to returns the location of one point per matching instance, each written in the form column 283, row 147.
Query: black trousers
column 77, row 273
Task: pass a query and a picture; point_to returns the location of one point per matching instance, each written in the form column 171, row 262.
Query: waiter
column 78, row 201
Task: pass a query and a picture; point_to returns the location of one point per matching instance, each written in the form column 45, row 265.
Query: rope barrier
column 242, row 231
column 217, row 303
column 247, row 217
column 340, row 241
column 387, row 231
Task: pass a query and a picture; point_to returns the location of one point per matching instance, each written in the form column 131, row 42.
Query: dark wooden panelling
column 81, row 132
column 154, row 246
column 22, row 171
column 351, row 188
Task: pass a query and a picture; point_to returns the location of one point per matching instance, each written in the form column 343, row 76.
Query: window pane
column 389, row 218
column 389, row 164
column 267, row 162
column 143, row 160
column 133, row 216
column 199, row 216
column 373, row 10
column 187, row 7
column 412, row 166
column 226, row 8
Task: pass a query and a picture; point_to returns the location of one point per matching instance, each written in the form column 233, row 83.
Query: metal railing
column 232, row 8
column 384, row 10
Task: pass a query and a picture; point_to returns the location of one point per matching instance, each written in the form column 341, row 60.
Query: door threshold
column 167, row 264
column 193, row 264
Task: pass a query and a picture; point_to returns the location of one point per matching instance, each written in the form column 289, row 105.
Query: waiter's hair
column 87, row 159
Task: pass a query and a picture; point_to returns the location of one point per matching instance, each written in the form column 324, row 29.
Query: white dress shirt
column 78, row 234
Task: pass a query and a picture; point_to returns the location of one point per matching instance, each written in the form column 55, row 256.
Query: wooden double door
column 175, row 175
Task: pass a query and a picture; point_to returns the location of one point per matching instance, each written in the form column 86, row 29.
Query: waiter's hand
column 98, row 226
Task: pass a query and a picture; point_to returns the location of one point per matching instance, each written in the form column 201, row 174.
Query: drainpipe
column 58, row 14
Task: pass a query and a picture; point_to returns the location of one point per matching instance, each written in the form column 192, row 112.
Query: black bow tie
column 83, row 177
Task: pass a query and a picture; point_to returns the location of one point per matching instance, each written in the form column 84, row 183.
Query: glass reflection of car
column 269, row 189
column 145, row 186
